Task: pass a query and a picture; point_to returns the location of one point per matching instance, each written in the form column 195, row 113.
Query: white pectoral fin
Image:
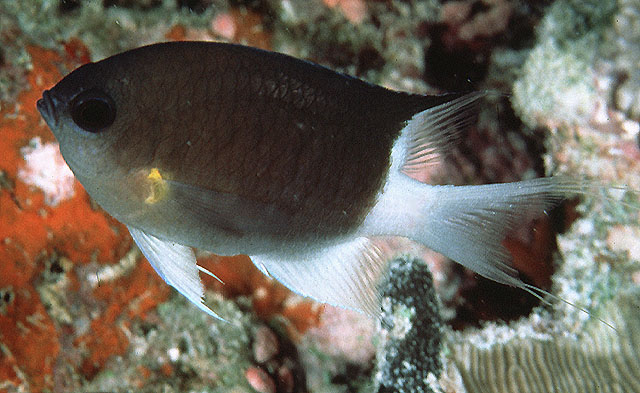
column 176, row 264
column 345, row 275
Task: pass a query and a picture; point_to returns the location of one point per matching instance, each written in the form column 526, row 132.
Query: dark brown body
column 260, row 125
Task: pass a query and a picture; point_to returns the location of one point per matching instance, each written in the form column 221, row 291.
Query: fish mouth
column 47, row 108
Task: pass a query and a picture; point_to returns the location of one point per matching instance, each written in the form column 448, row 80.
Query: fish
column 238, row 150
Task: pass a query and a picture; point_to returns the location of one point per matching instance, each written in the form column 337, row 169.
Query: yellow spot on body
column 157, row 185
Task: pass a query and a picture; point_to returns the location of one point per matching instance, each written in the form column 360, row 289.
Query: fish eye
column 93, row 110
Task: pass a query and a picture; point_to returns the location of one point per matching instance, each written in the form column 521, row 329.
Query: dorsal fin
column 431, row 133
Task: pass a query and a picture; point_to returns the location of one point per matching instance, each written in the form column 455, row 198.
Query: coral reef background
column 80, row 309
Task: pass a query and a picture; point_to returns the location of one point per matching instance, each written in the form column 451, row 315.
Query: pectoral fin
column 176, row 264
column 233, row 213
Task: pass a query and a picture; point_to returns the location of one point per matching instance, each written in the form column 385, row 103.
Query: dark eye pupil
column 93, row 110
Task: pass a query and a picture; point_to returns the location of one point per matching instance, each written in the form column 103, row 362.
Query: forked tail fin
column 467, row 223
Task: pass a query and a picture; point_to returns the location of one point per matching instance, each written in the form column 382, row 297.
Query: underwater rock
column 558, row 78
column 337, row 354
column 265, row 344
column 411, row 329
column 623, row 52
column 183, row 351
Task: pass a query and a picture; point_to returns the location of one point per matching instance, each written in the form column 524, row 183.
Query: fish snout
column 47, row 108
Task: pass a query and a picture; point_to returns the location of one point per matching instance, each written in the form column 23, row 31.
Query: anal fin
column 345, row 274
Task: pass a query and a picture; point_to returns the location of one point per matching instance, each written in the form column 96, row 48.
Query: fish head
column 85, row 113
column 98, row 120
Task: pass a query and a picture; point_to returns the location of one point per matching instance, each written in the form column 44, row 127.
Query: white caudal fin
column 466, row 223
